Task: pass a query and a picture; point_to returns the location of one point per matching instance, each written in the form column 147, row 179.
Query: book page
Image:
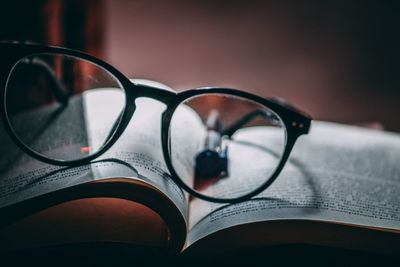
column 139, row 146
column 336, row 173
column 137, row 154
column 23, row 177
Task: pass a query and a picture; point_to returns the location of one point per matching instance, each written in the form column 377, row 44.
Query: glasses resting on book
column 49, row 112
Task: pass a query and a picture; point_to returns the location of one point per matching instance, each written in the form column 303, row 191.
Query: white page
column 139, row 147
column 335, row 173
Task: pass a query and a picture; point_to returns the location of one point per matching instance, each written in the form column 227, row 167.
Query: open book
column 340, row 188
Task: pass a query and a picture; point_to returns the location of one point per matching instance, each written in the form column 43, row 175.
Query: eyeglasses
column 67, row 108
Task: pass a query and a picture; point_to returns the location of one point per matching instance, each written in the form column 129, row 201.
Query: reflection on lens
column 225, row 146
column 61, row 106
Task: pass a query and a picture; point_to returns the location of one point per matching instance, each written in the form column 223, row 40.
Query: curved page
column 337, row 174
column 137, row 155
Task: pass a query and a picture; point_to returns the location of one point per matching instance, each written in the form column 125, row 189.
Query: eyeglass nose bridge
column 160, row 94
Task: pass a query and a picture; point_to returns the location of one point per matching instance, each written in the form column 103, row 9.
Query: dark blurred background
column 337, row 60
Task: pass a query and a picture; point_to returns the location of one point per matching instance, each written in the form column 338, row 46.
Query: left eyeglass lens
column 62, row 107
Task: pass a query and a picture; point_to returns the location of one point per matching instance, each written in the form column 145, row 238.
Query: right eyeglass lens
column 224, row 146
column 62, row 107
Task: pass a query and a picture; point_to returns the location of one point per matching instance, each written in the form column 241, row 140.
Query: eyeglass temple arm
column 229, row 131
column 303, row 120
column 59, row 90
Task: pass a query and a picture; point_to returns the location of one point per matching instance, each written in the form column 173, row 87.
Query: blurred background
column 336, row 60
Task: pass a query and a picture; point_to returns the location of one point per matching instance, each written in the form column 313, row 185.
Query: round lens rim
column 286, row 115
column 30, row 50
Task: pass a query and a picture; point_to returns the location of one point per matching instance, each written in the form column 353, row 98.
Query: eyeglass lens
column 236, row 144
column 53, row 109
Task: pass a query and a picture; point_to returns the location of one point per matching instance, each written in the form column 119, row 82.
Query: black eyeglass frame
column 296, row 122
